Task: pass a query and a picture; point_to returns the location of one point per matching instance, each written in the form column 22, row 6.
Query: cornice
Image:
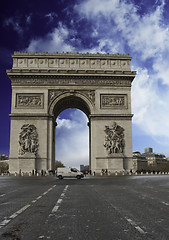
column 17, row 116
column 67, row 71
column 111, row 116
column 70, row 62
column 119, row 81
column 71, row 55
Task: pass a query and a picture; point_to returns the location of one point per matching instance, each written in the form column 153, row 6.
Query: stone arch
column 71, row 100
column 45, row 84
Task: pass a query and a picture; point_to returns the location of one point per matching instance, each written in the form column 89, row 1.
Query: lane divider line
column 135, row 225
column 2, row 195
column 59, row 201
column 167, row 204
column 139, row 229
column 14, row 215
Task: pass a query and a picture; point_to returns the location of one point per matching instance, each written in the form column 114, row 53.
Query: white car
column 63, row 172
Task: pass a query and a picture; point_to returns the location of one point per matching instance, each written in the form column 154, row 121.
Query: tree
column 4, row 167
column 58, row 164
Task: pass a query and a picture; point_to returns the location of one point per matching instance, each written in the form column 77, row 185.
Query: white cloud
column 28, row 19
column 150, row 107
column 51, row 16
column 146, row 37
column 52, row 42
column 115, row 25
column 15, row 23
column 72, row 140
column 146, row 34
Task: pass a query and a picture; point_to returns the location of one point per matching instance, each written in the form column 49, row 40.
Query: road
column 109, row 208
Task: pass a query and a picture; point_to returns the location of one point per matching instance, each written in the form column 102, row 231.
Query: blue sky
column 140, row 28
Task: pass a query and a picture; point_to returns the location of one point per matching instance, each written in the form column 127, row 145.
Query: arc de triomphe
column 45, row 84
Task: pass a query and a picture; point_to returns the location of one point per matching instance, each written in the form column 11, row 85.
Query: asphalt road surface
column 105, row 208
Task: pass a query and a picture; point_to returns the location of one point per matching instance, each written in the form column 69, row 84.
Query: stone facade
column 45, row 84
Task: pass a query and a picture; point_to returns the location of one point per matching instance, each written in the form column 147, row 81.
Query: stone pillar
column 27, row 162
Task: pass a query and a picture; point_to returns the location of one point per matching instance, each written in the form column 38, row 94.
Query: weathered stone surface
column 44, row 84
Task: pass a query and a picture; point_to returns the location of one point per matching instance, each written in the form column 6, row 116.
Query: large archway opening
column 71, row 144
column 72, row 138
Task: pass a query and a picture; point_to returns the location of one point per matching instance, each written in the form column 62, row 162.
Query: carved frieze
column 28, row 139
column 53, row 94
column 70, row 81
column 71, row 60
column 29, row 100
column 114, row 139
column 113, row 101
column 90, row 94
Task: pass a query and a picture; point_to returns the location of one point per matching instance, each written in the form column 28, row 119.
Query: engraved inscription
column 113, row 101
column 29, row 100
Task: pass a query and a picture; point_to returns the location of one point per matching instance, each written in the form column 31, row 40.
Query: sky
column 137, row 27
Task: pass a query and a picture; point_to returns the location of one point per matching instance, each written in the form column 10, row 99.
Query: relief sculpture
column 29, row 100
column 28, row 139
column 114, row 140
column 111, row 101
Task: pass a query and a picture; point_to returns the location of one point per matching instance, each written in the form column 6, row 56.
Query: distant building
column 154, row 158
column 139, row 161
column 148, row 158
column 82, row 167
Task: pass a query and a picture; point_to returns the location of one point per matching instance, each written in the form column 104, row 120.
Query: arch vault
column 45, row 84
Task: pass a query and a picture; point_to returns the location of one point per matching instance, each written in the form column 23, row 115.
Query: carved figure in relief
column 112, row 101
column 28, row 139
column 114, row 140
column 29, row 101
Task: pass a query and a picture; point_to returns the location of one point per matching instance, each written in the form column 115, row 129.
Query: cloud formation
column 72, row 140
column 53, row 41
column 15, row 23
column 146, row 38
column 119, row 26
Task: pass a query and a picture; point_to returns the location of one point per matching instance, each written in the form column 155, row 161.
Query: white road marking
column 129, row 220
column 14, row 215
column 55, row 209
column 38, row 197
column 19, row 211
column 44, row 193
column 135, row 225
column 4, row 222
column 167, row 204
column 59, row 201
column 2, row 195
